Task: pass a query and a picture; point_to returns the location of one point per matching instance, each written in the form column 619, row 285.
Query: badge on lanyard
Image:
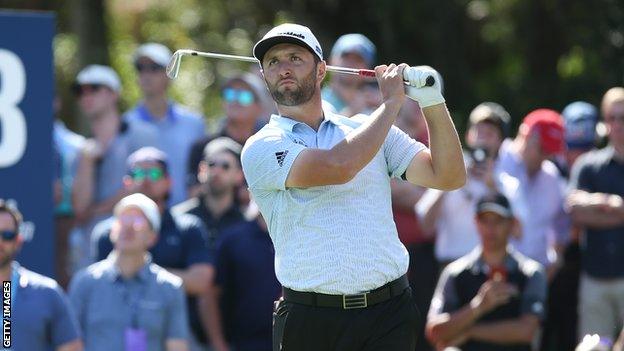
column 136, row 339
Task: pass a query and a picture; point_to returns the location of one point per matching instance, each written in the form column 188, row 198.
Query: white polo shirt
column 335, row 239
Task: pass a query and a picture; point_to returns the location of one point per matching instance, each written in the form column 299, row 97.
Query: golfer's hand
column 425, row 96
column 390, row 80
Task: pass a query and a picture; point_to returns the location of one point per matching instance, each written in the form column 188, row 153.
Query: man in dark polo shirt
column 596, row 204
column 219, row 175
column 182, row 246
column 492, row 298
column 244, row 289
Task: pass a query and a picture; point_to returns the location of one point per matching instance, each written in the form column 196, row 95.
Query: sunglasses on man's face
column 8, row 235
column 85, row 89
column 243, row 97
column 148, row 67
column 154, row 174
column 221, row 164
column 135, row 221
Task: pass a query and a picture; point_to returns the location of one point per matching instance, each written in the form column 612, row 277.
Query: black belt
column 362, row 300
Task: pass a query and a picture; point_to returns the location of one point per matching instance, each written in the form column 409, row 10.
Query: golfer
column 322, row 182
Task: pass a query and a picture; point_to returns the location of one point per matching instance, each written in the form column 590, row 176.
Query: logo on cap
column 292, row 34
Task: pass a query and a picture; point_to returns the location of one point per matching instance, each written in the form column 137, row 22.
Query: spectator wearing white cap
column 178, row 127
column 98, row 183
column 349, row 94
column 126, row 302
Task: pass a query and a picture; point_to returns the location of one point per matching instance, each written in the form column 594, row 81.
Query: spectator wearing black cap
column 493, row 298
column 182, row 246
column 178, row 126
column 450, row 215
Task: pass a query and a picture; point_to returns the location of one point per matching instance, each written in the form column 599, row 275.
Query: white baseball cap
column 144, row 204
column 288, row 33
column 101, row 75
column 158, row 53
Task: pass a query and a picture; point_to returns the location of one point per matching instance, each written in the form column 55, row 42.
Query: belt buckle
column 354, row 301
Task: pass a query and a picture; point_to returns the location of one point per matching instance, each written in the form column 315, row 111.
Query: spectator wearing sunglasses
column 178, row 126
column 127, row 302
column 220, row 175
column 182, row 246
column 98, row 183
column 597, row 205
column 243, row 97
column 41, row 316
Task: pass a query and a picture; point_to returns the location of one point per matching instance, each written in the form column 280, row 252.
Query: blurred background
column 522, row 54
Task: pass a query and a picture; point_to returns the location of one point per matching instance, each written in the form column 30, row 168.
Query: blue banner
column 26, row 166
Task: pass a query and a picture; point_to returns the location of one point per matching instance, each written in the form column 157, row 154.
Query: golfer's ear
column 322, row 70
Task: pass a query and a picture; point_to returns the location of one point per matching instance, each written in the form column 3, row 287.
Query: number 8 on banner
column 12, row 122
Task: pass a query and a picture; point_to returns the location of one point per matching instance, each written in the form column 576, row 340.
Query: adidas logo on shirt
column 281, row 155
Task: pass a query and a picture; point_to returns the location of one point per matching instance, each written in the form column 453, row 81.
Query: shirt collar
column 146, row 116
column 113, row 272
column 288, row 124
column 479, row 265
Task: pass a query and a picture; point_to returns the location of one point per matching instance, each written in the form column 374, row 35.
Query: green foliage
column 524, row 54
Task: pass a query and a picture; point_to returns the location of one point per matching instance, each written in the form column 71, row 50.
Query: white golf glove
column 417, row 89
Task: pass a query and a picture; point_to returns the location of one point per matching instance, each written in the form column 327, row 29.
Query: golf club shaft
column 345, row 70
column 174, row 64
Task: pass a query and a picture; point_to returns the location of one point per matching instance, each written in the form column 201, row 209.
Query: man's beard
column 6, row 259
column 302, row 94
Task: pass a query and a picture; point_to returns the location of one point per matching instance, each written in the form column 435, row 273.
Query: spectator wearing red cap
column 596, row 204
column 534, row 186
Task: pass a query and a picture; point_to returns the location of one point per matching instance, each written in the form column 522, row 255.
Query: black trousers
column 390, row 325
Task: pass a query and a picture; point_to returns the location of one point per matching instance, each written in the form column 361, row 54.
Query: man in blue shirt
column 41, row 317
column 178, row 127
column 126, row 302
column 322, row 183
column 182, row 246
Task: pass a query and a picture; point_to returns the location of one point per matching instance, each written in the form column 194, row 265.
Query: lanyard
column 133, row 300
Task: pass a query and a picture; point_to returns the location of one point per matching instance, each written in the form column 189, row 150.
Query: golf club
column 173, row 68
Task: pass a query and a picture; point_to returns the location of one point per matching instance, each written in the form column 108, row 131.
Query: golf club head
column 173, row 67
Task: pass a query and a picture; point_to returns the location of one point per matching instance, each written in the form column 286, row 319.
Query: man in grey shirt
column 322, row 182
column 126, row 302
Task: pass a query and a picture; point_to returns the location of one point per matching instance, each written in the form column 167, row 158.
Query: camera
column 479, row 155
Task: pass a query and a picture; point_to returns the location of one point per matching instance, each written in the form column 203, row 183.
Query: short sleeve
column 65, row 328
column 223, row 259
column 445, row 297
column 78, row 294
column 580, row 176
column 399, row 150
column 534, row 294
column 100, row 240
column 267, row 161
column 196, row 242
column 177, row 327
